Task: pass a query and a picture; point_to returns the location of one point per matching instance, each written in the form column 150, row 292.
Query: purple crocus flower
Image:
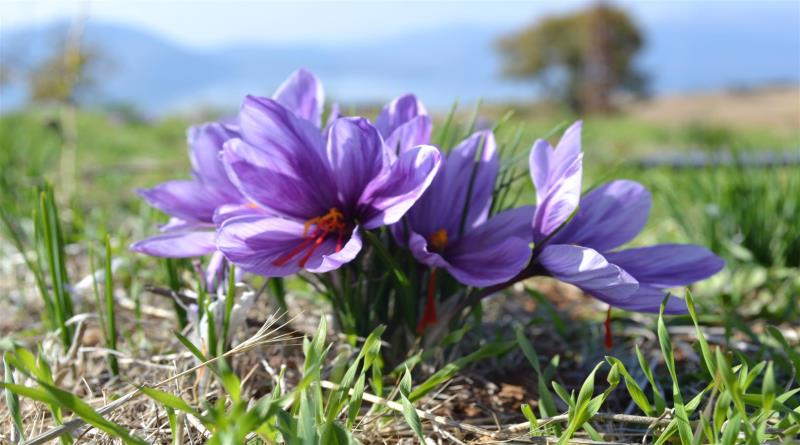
column 450, row 226
column 582, row 251
column 197, row 205
column 322, row 192
column 192, row 203
column 404, row 123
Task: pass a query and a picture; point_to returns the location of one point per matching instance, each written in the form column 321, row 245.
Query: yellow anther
column 438, row 240
column 330, row 222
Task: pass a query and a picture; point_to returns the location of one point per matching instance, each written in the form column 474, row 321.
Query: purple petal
column 228, row 211
column 560, row 202
column 333, row 114
column 257, row 243
column 416, row 131
column 335, row 260
column 588, row 270
column 493, row 252
column 548, row 166
column 215, row 271
column 608, row 216
column 356, row 153
column 389, row 196
column 296, row 144
column 205, row 145
column 397, row 112
column 539, row 164
column 648, row 299
column 177, row 224
column 277, row 183
column 302, row 93
column 177, row 244
column 419, row 248
column 668, row 265
column 186, row 200
column 442, row 206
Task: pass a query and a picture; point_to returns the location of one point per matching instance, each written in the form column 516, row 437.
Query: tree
column 581, row 58
column 65, row 74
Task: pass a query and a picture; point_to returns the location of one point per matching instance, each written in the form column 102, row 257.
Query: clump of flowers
column 394, row 230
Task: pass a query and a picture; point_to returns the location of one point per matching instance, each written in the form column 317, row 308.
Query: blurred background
column 699, row 100
column 160, row 58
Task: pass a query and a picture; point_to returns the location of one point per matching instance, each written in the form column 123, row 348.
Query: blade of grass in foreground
column 110, row 318
column 684, row 428
column 12, row 401
column 50, row 235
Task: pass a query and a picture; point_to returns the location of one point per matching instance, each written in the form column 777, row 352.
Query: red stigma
column 609, row 341
column 429, row 313
column 331, row 222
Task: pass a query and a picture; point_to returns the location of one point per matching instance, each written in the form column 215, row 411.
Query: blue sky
column 370, row 51
column 214, row 23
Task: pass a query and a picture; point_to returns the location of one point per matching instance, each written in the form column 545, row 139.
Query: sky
column 690, row 45
column 205, row 23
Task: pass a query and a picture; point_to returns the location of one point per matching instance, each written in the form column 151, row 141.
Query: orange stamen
column 429, row 313
column 316, row 244
column 339, row 242
column 438, row 240
column 609, row 342
column 331, row 222
column 289, row 255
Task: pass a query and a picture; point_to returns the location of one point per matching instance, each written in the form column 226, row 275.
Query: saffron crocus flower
column 582, row 252
column 404, row 123
column 197, row 205
column 449, row 227
column 323, row 192
column 192, row 203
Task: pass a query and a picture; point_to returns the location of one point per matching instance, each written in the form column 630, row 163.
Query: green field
column 750, row 215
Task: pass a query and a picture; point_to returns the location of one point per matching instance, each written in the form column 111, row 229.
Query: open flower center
column 438, row 240
column 331, row 223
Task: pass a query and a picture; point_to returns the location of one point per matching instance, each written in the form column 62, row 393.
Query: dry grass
column 775, row 108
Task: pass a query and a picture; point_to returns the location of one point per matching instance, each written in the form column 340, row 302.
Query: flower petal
column 548, row 166
column 389, row 196
column 648, row 299
column 215, row 271
column 333, row 114
column 539, row 164
column 442, row 206
column 276, row 183
column 397, row 112
column 186, row 200
column 177, row 224
column 335, row 260
column 588, row 270
column 177, row 244
column 416, row 131
column 356, row 153
column 559, row 203
column 302, row 93
column 419, row 248
column 205, row 146
column 608, row 216
column 287, row 141
column 229, row 211
column 256, row 243
column 668, row 265
column 493, row 252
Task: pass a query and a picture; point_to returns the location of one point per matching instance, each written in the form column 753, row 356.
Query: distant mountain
column 159, row 76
